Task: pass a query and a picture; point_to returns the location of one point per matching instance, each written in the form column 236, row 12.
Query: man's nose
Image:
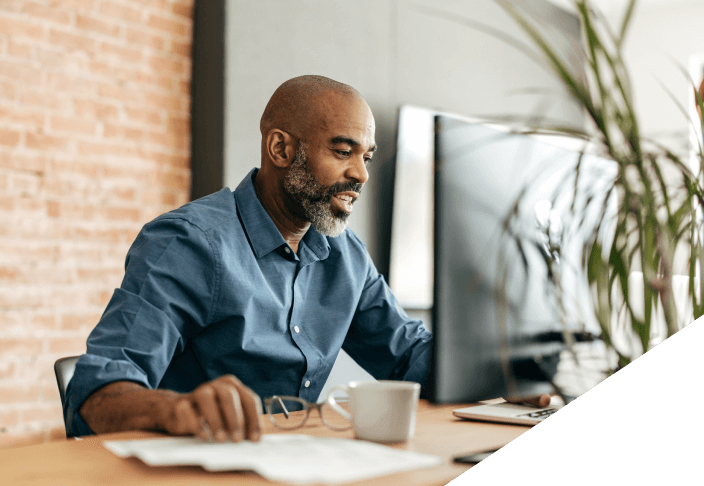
column 357, row 170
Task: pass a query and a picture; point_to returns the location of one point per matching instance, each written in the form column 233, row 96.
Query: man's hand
column 220, row 410
column 540, row 401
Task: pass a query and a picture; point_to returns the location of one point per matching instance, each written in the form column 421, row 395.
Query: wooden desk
column 87, row 462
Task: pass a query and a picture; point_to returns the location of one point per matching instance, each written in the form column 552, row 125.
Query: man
column 244, row 295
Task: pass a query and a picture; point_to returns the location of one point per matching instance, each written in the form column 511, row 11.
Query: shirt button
column 307, row 383
column 295, row 328
column 287, row 250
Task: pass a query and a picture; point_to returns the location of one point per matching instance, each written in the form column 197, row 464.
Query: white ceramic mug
column 381, row 411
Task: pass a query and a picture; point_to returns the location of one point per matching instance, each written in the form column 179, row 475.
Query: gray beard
column 313, row 197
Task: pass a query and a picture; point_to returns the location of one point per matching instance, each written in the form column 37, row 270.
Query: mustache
column 343, row 187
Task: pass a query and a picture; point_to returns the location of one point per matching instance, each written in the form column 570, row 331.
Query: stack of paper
column 290, row 458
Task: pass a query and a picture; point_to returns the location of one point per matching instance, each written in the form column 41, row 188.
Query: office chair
column 64, row 368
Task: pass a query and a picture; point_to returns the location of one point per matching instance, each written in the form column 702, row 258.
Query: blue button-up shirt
column 213, row 288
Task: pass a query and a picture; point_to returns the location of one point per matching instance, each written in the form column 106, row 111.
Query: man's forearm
column 125, row 405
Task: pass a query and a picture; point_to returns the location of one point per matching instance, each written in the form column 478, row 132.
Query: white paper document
column 280, row 457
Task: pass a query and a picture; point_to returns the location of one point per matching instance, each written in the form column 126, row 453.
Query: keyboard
column 540, row 414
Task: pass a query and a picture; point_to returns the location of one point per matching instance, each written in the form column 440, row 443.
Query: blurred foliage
column 660, row 197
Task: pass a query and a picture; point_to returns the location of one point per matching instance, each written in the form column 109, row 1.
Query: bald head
column 296, row 104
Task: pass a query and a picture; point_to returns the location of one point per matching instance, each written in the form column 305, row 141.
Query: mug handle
column 331, row 400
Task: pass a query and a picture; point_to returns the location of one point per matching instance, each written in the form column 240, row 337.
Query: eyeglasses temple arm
column 283, row 407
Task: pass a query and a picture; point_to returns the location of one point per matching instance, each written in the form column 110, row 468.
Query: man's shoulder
column 211, row 211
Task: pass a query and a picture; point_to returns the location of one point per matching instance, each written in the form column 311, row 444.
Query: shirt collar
column 263, row 234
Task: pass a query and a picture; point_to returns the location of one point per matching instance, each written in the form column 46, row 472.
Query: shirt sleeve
column 383, row 339
column 170, row 285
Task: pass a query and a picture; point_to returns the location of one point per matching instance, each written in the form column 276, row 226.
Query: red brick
column 168, row 198
column 8, row 418
column 155, row 4
column 179, row 126
column 7, row 370
column 180, row 48
column 25, row 184
column 14, row 6
column 74, row 125
column 22, row 116
column 16, row 28
column 177, row 181
column 80, row 4
column 185, row 87
column 102, row 27
column 19, row 345
column 165, row 82
column 121, row 214
column 80, row 42
column 43, row 413
column 53, row 101
column 20, row 72
column 161, row 64
column 53, row 209
column 94, row 109
column 28, row 253
column 171, row 160
column 9, row 274
column 124, row 133
column 126, row 54
column 40, row 11
column 71, row 210
column 168, row 25
column 44, row 321
column 79, row 321
column 184, row 9
column 33, row 163
column 144, row 39
column 7, row 90
column 117, row 93
column 45, row 142
column 7, row 203
column 26, row 204
column 23, row 51
column 171, row 103
column 62, row 83
column 112, row 9
column 111, row 149
column 123, row 194
column 104, row 275
column 143, row 116
column 50, row 391
column 19, row 394
column 9, row 137
column 170, row 138
column 83, row 177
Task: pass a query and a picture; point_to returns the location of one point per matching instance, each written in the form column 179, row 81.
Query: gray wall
column 430, row 53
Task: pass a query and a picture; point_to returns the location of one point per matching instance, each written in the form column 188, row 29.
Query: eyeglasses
column 292, row 413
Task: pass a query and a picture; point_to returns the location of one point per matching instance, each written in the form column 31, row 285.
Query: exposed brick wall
column 94, row 142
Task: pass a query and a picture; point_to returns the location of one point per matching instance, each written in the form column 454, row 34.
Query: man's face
column 327, row 174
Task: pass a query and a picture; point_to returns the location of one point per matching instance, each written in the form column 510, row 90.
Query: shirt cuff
column 94, row 372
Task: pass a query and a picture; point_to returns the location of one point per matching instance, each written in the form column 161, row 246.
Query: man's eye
column 344, row 153
column 367, row 160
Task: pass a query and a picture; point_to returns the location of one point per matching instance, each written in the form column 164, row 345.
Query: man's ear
column 280, row 147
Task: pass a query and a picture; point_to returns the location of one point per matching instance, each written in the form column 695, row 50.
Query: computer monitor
column 482, row 349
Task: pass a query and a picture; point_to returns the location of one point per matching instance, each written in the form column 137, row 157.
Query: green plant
column 660, row 198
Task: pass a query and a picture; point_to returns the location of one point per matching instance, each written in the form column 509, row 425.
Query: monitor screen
column 484, row 349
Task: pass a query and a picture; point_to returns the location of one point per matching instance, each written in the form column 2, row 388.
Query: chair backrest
column 64, row 368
